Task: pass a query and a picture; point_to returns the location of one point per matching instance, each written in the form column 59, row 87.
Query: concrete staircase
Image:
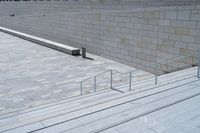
column 105, row 110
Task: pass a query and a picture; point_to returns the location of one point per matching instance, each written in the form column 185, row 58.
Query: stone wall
column 136, row 35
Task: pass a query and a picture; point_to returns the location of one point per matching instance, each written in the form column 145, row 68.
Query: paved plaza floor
column 31, row 74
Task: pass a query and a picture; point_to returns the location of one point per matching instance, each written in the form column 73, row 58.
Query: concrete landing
column 31, row 74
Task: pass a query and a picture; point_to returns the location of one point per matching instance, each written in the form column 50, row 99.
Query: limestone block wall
column 58, row 6
column 137, row 36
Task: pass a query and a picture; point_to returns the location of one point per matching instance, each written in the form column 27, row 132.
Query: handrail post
column 81, row 87
column 156, row 80
column 156, row 65
column 95, row 84
column 198, row 74
column 111, row 79
column 156, row 77
column 130, row 80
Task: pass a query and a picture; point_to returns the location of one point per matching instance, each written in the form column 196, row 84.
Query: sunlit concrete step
column 167, row 120
column 54, row 45
column 117, row 109
column 120, row 118
column 66, row 102
column 70, row 100
column 190, row 125
column 60, row 117
column 7, row 113
column 137, row 86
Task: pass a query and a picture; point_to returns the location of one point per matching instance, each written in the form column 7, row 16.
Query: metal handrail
column 130, row 74
column 126, row 72
column 111, row 79
column 198, row 71
column 94, row 76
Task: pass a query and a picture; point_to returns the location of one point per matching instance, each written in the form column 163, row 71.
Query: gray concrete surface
column 118, row 112
column 31, row 74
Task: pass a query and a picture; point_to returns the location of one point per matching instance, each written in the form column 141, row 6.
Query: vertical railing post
column 156, row 65
column 130, row 81
column 95, row 84
column 81, row 87
column 156, row 77
column 198, row 75
column 111, row 79
column 156, row 80
column 198, row 72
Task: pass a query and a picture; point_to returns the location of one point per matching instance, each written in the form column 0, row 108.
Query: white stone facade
column 130, row 33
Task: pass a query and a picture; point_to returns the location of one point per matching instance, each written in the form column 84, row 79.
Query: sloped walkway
column 31, row 74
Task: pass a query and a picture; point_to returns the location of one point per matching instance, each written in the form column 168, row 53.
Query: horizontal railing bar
column 129, row 72
column 126, row 72
column 95, row 76
column 132, row 71
column 108, row 71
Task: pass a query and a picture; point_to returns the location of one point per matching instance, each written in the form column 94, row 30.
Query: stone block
column 195, row 11
column 171, row 14
column 163, row 35
column 196, row 39
column 162, row 48
column 181, row 44
column 164, row 22
column 175, row 37
column 139, row 14
column 167, row 29
column 189, row 60
column 176, row 23
column 189, row 24
column 195, row 32
column 175, row 51
column 198, row 25
column 165, row 55
column 124, row 41
column 189, row 39
column 186, row 52
column 141, row 44
column 151, row 46
column 162, row 15
column 169, row 43
column 157, row 15
column 140, row 56
column 146, row 51
column 195, row 17
column 148, row 15
column 182, row 31
column 193, row 46
column 183, row 15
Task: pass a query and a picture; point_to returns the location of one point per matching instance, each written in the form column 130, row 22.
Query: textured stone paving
column 31, row 74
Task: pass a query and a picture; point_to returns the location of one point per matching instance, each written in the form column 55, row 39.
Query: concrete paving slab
column 31, row 74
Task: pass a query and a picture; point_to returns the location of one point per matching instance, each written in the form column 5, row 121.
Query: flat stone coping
column 51, row 44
